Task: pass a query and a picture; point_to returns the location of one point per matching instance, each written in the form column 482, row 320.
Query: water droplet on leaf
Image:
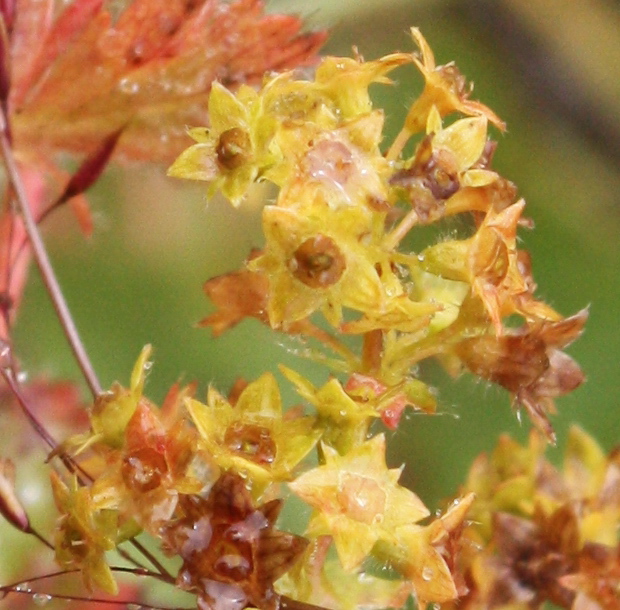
column 41, row 599
column 128, row 86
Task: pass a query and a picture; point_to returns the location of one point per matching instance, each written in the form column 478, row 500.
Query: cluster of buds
column 206, row 479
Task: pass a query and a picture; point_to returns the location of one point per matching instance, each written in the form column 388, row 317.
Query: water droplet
column 427, row 574
column 24, row 586
column 126, row 85
column 148, row 365
column 22, row 377
column 420, row 257
column 41, row 599
column 134, row 607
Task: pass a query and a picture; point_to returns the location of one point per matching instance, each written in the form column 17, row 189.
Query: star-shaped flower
column 319, row 258
column 235, row 150
column 144, row 478
column 113, row 410
column 357, row 500
column 427, row 554
column 253, row 437
column 445, row 88
column 84, row 534
column 320, row 580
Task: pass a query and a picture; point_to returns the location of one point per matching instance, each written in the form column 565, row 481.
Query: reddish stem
column 43, row 262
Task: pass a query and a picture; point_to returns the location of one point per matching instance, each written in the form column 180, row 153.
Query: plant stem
column 392, row 239
column 45, row 267
column 96, row 600
column 41, row 538
column 71, row 465
column 166, row 576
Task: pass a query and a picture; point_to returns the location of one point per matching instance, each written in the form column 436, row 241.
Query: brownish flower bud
column 233, row 148
column 533, row 556
column 142, row 470
column 318, row 262
column 10, row 506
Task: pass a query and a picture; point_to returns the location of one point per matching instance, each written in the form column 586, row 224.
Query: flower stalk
column 44, row 264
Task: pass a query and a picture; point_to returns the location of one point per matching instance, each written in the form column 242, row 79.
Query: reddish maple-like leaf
column 81, row 76
column 78, row 78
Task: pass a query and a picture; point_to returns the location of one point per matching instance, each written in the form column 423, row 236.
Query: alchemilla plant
column 201, row 480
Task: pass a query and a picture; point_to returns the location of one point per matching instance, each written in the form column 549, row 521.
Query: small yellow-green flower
column 234, row 151
column 84, row 535
column 357, row 500
column 253, row 437
column 317, row 258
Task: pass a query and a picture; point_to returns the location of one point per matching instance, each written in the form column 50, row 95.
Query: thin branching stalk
column 45, row 267
column 165, row 574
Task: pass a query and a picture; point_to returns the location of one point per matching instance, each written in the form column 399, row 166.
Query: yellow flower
column 427, row 553
column 445, row 88
column 83, row 535
column 319, row 258
column 252, row 437
column 488, row 261
column 144, row 479
column 320, row 580
column 345, row 421
column 346, row 80
column 344, row 163
column 113, row 410
column 234, row 151
column 357, row 499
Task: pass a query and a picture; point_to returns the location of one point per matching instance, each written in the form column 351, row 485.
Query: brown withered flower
column 231, row 552
column 532, row 556
column 597, row 583
column 528, row 362
column 237, row 295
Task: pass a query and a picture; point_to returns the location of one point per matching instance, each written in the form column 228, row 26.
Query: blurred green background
column 550, row 73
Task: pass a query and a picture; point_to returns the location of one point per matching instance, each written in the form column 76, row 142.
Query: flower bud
column 10, row 506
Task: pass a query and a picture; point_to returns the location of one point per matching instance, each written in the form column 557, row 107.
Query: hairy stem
column 43, row 262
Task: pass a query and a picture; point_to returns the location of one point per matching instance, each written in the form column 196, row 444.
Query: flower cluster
column 335, row 237
column 548, row 534
column 207, row 479
column 204, row 480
